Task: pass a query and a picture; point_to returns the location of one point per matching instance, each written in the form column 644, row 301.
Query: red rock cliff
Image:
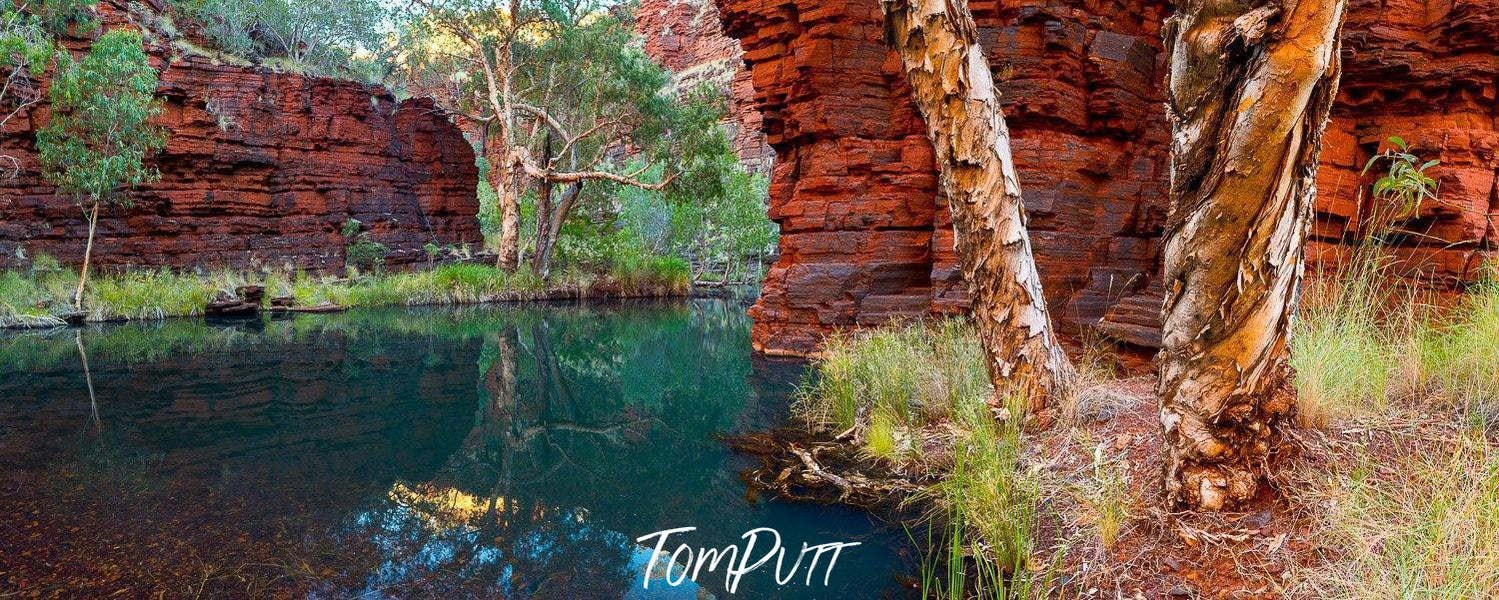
column 865, row 237
column 259, row 168
column 685, row 37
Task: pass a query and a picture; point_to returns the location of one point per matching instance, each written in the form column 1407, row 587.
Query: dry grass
column 1406, row 507
column 1406, row 493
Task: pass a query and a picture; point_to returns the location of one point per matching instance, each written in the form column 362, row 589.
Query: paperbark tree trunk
column 1250, row 87
column 502, row 179
column 950, row 79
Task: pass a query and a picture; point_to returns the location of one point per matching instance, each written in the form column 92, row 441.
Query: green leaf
column 1398, row 142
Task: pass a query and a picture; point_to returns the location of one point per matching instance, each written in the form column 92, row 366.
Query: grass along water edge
column 32, row 297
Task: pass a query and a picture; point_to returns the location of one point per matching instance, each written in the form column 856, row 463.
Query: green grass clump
column 1365, row 340
column 669, row 272
column 155, row 294
column 1356, row 343
column 445, row 284
column 916, row 373
column 1460, row 360
column 988, row 505
column 927, row 381
column 880, row 436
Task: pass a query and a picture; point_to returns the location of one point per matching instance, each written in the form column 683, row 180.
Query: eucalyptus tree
column 950, row 80
column 1250, row 87
column 99, row 133
column 565, row 97
column 324, row 37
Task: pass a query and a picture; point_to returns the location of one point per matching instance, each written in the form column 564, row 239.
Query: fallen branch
column 817, row 470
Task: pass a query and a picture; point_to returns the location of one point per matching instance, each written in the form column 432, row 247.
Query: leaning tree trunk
column 1250, row 89
column 950, row 79
column 88, row 253
column 548, row 230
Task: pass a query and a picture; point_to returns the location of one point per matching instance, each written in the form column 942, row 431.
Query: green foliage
column 320, row 37
column 1399, row 193
column 360, row 251
column 228, row 24
column 588, row 91
column 26, row 49
column 725, row 228
column 489, row 208
column 99, row 134
column 62, row 16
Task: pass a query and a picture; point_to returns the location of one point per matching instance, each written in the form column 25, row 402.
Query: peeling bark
column 950, row 80
column 504, row 181
column 1250, row 87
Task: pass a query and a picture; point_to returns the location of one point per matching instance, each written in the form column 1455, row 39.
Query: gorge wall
column 260, row 167
column 865, row 236
column 685, row 37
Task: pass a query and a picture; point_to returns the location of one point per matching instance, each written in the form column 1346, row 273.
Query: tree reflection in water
column 460, row 453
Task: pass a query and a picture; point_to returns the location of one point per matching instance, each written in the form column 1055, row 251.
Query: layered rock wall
column 259, row 168
column 685, row 37
column 866, row 238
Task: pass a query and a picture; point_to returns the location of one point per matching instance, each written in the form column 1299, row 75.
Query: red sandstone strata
column 259, row 168
column 685, row 37
column 865, row 237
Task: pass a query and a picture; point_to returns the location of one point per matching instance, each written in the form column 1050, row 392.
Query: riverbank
column 1388, row 483
column 41, row 296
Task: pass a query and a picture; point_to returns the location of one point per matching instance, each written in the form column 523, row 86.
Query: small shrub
column 1399, row 193
column 360, row 251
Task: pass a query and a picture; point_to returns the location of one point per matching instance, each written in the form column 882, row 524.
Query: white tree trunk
column 88, row 252
column 950, row 80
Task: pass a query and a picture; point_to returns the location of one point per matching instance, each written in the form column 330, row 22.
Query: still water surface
column 449, row 453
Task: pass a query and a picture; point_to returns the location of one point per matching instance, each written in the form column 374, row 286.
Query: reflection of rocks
column 339, row 406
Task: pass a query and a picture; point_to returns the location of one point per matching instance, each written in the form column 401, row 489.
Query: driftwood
column 326, row 307
column 799, row 467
